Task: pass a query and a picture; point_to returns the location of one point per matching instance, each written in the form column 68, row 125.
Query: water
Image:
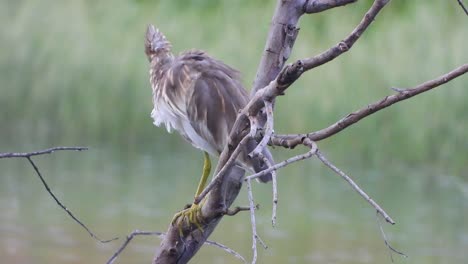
column 320, row 219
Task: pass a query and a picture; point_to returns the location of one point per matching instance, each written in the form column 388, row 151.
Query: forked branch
column 28, row 156
column 291, row 140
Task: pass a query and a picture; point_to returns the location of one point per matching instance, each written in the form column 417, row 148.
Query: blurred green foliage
column 74, row 72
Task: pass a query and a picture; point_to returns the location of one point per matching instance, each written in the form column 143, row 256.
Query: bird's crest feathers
column 155, row 42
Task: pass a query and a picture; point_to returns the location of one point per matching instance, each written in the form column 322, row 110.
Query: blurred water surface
column 320, row 219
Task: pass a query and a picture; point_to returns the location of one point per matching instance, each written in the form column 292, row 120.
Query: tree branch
column 364, row 195
column 282, row 35
column 28, row 156
column 40, row 152
column 346, row 44
column 294, row 139
column 460, row 2
column 315, row 6
column 308, row 154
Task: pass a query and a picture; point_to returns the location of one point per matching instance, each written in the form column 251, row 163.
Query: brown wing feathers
column 197, row 95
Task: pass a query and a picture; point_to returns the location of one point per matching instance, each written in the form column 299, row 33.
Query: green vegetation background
column 74, row 73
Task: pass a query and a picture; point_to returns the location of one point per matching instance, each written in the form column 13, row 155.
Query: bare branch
column 377, row 106
column 40, row 152
column 308, row 154
column 392, row 249
column 127, row 241
column 28, row 156
column 275, row 198
column 460, row 2
column 227, row 249
column 349, row 41
column 355, row 187
column 63, row 206
column 252, row 221
column 268, row 130
column 315, row 6
column 282, row 35
column 274, row 187
column 237, row 209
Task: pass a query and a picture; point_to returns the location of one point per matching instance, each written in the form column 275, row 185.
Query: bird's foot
column 190, row 216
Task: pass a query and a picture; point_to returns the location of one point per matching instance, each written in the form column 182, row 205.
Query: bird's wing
column 213, row 96
column 215, row 99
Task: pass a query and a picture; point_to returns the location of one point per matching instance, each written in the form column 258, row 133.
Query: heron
column 199, row 97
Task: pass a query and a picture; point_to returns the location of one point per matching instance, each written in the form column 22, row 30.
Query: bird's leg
column 192, row 212
column 206, row 173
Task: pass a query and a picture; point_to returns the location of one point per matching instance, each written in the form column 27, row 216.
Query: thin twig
column 268, row 130
column 386, row 102
column 28, row 156
column 253, row 126
column 368, row 110
column 308, row 154
column 237, row 209
column 274, row 190
column 223, row 170
column 315, row 6
column 127, row 241
column 460, row 2
column 355, row 187
column 275, row 198
column 392, row 249
column 398, row 90
column 346, row 44
column 252, row 221
column 62, row 206
column 40, row 152
column 225, row 248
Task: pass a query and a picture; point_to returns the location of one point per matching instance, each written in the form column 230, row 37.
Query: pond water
column 320, row 219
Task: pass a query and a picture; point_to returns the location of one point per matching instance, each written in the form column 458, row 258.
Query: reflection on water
column 320, row 219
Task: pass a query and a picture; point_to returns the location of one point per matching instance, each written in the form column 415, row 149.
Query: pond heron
column 199, row 97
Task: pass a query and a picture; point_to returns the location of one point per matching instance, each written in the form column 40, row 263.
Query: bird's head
column 155, row 43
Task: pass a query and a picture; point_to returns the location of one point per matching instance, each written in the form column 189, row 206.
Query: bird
column 199, row 97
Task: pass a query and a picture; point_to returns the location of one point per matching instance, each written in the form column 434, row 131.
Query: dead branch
column 292, row 140
column 308, row 154
column 227, row 249
column 315, row 6
column 460, row 2
column 252, row 221
column 387, row 244
column 237, row 209
column 346, row 44
column 282, row 35
column 28, row 156
column 40, row 152
column 127, row 241
column 315, row 151
column 268, row 130
column 364, row 195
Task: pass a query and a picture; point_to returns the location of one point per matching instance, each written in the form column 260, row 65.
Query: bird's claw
column 190, row 215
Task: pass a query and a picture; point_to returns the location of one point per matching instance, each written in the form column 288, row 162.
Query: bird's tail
column 258, row 164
